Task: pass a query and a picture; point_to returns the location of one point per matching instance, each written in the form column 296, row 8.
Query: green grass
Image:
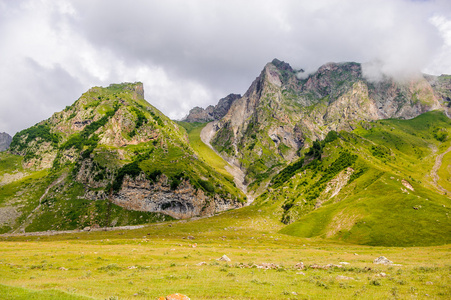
column 444, row 172
column 210, row 158
column 205, row 152
column 19, row 293
column 158, row 260
column 27, row 187
column 381, row 215
column 10, row 163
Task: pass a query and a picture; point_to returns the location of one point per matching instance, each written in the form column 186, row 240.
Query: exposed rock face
column 407, row 184
column 441, row 86
column 5, row 141
column 211, row 113
column 334, row 186
column 182, row 203
column 280, row 113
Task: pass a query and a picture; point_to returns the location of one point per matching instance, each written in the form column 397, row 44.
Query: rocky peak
column 333, row 79
column 116, row 115
column 281, row 65
column 211, row 113
column 136, row 88
column 5, row 141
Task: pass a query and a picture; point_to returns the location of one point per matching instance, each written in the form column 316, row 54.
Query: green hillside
column 389, row 198
column 67, row 172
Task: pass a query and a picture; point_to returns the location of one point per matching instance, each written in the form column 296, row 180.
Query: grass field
column 159, row 260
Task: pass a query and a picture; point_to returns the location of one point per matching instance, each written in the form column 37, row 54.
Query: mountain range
column 330, row 154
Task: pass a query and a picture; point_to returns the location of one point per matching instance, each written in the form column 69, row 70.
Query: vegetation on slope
column 91, row 146
column 391, row 202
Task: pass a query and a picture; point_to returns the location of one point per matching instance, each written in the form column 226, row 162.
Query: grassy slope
column 158, row 260
column 22, row 195
column 205, row 152
column 207, row 155
column 376, row 209
column 444, row 172
column 56, row 212
column 10, row 163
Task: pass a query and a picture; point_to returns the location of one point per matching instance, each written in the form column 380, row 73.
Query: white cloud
column 442, row 61
column 191, row 53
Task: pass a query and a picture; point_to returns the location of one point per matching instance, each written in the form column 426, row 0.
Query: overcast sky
column 192, row 53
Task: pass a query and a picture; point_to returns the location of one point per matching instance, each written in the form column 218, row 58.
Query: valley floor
column 181, row 257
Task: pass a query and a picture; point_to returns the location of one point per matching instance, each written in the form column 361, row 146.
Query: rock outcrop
column 181, row 203
column 382, row 260
column 5, row 141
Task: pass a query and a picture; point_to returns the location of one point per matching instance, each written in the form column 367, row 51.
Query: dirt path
column 434, row 175
column 31, row 216
column 206, row 135
column 55, row 232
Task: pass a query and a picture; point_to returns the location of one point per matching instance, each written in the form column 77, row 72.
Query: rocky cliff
column 183, row 202
column 282, row 113
column 5, row 141
column 211, row 113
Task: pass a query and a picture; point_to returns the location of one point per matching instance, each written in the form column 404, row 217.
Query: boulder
column 177, row 296
column 382, row 260
column 224, row 258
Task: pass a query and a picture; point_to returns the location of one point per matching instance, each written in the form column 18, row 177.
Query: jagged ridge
column 211, row 113
column 281, row 114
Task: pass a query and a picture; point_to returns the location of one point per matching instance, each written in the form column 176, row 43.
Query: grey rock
column 5, row 141
column 382, row 260
column 211, row 113
column 224, row 258
column 185, row 202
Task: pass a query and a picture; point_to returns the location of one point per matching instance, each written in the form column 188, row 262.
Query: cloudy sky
column 192, row 53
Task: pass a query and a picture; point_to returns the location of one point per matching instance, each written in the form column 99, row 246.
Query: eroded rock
column 182, row 203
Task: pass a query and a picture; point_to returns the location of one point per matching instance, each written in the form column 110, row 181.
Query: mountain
column 284, row 111
column 110, row 158
column 335, row 155
column 211, row 113
column 5, row 140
